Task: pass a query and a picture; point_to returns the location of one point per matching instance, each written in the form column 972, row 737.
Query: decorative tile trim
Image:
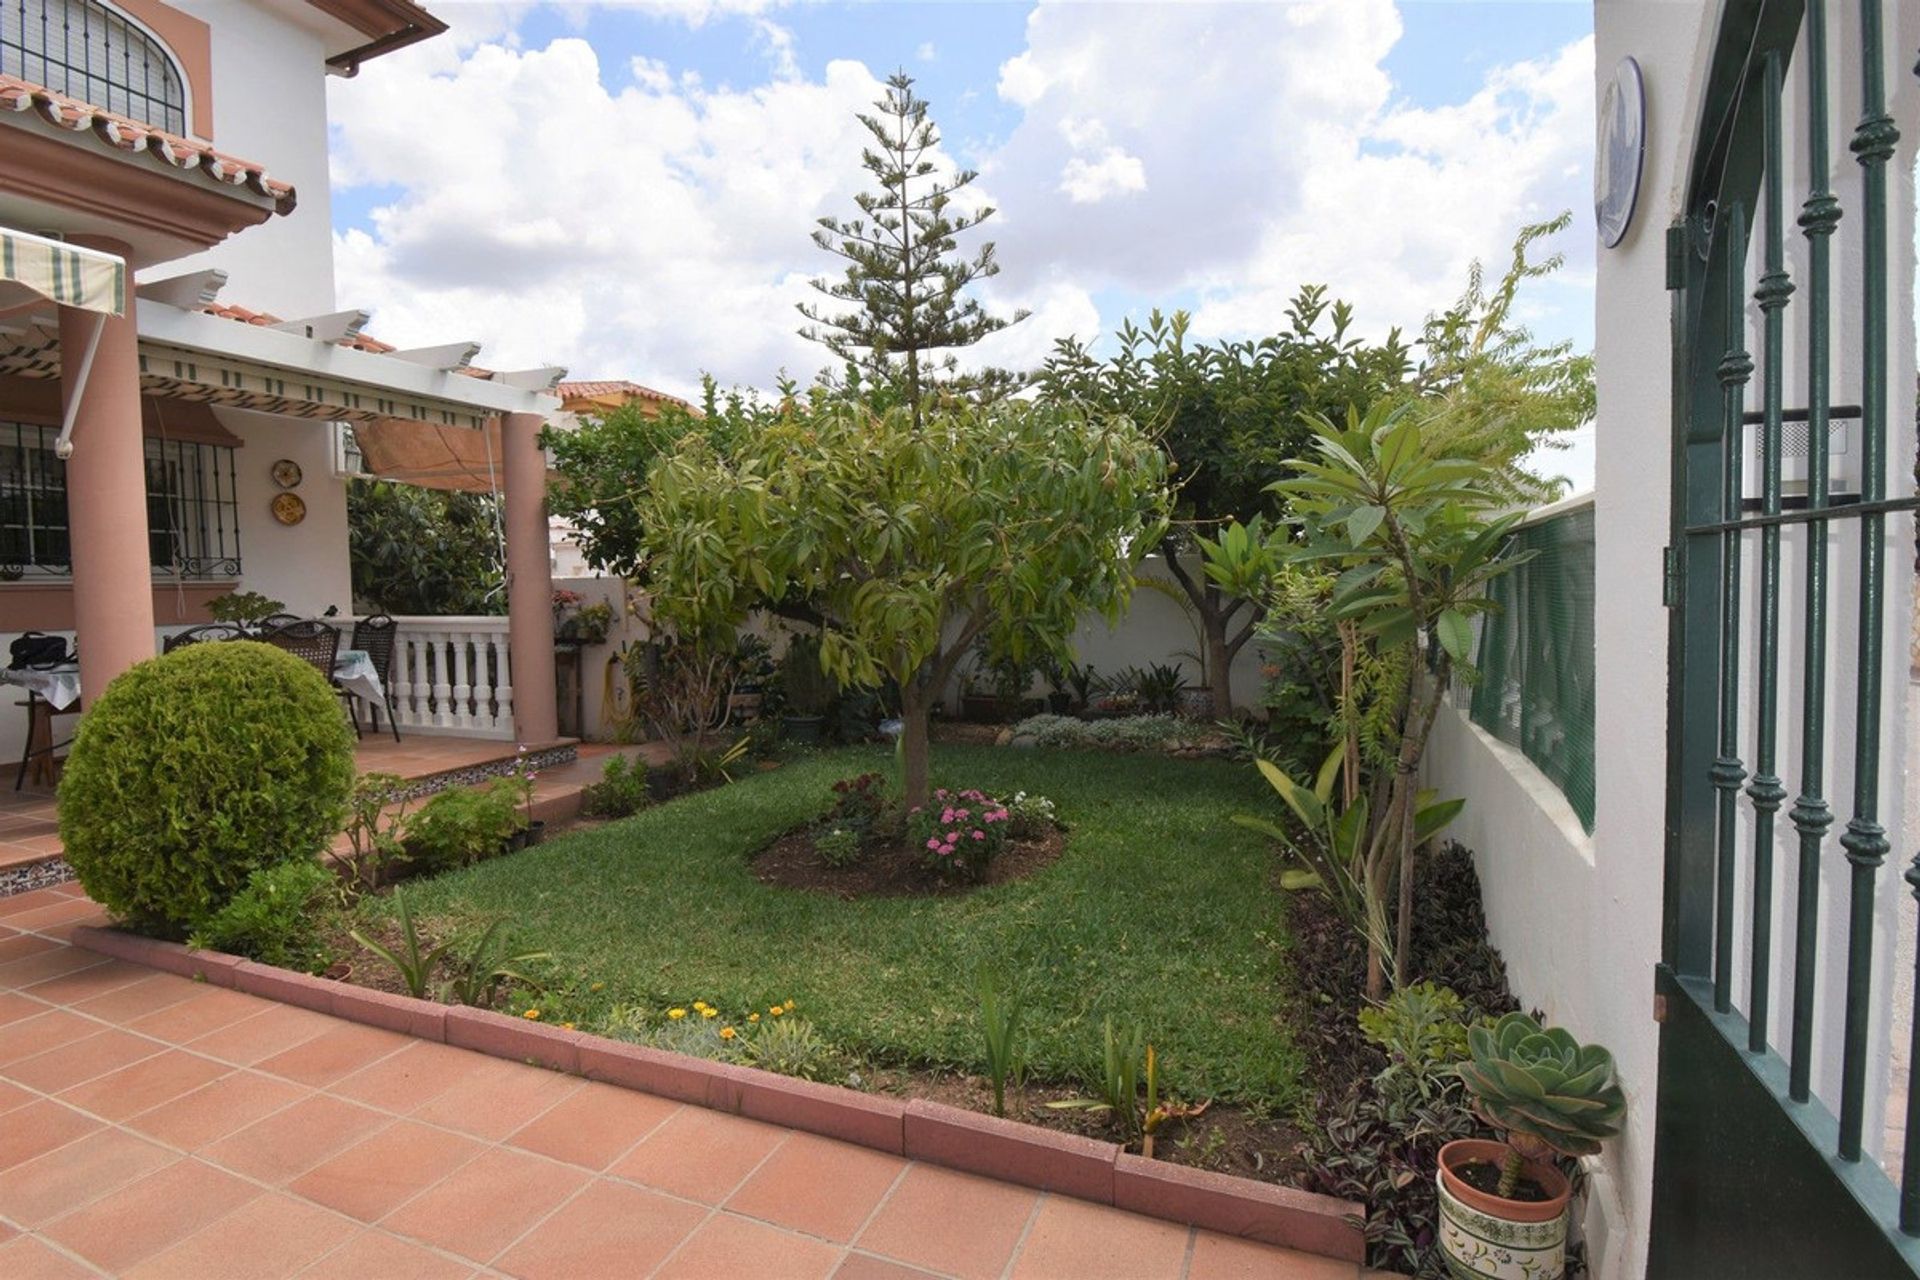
column 29, row 876
column 1016, row 1153
column 468, row 775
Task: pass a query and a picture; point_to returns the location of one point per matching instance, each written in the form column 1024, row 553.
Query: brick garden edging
column 929, row 1132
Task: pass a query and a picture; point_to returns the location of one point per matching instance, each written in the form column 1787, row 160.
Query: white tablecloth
column 60, row 686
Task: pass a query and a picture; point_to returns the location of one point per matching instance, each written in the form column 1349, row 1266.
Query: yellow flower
column 776, row 1011
column 708, row 1011
column 788, row 1006
column 727, row 1033
column 531, row 1015
column 753, row 1017
column 598, row 986
column 676, row 1014
column 566, row 1026
column 700, row 1006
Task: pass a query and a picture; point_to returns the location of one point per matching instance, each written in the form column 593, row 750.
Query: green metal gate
column 1754, row 1174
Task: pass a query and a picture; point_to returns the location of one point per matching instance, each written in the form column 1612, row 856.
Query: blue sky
column 635, row 186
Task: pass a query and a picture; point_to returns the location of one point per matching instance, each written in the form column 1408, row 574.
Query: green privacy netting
column 1536, row 656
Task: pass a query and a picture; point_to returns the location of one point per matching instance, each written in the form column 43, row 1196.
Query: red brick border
column 926, row 1131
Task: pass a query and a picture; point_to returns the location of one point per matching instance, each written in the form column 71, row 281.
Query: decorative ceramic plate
column 288, row 508
column 1623, row 146
column 286, row 473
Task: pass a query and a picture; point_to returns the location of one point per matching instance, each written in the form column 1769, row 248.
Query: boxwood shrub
column 193, row 771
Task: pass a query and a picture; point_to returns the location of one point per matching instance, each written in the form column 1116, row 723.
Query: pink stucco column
column 107, row 493
column 536, row 712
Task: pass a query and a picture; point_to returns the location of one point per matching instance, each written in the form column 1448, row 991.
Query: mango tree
column 909, row 542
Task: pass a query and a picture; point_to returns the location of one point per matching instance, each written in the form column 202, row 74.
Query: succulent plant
column 1547, row 1090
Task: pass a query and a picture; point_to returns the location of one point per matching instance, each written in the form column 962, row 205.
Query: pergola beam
column 545, row 378
column 445, row 357
column 336, row 326
column 189, row 292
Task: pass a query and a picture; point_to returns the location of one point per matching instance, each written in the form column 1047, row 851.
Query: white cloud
column 659, row 228
column 926, row 52
column 1091, row 181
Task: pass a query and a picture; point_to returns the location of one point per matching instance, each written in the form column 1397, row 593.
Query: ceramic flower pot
column 1486, row 1237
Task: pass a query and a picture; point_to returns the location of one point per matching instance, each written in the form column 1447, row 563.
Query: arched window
column 85, row 50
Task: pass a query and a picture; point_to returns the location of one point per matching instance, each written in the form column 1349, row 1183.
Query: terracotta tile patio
column 151, row 1126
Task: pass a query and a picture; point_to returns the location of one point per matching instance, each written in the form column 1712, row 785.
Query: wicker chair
column 312, row 642
column 375, row 636
column 274, row 621
column 203, row 634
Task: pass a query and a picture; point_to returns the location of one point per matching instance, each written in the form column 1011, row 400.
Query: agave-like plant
column 1549, row 1092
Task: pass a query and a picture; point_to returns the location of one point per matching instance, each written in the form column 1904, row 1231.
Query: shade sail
column 431, row 456
column 34, row 268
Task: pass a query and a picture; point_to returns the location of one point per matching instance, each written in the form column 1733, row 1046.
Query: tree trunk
column 915, row 766
column 1219, row 663
column 1376, row 973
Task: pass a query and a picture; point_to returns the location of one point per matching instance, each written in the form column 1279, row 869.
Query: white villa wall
column 270, row 107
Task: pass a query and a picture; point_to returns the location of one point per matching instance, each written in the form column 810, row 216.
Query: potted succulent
column 807, row 692
column 1503, row 1205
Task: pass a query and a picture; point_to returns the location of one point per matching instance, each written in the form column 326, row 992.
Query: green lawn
column 1161, row 911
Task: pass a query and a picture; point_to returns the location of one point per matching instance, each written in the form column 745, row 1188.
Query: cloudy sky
column 631, row 186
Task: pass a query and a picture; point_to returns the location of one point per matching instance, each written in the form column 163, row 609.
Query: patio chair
column 375, row 636
column 202, row 634
column 274, row 621
column 311, row 642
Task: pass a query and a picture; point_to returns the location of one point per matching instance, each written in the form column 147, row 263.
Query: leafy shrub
column 1423, row 1029
column 1030, row 815
column 776, row 1040
column 242, row 606
column 1122, row 733
column 479, row 971
column 837, row 846
column 959, row 833
column 858, row 802
column 194, row 770
column 376, row 811
column 622, row 789
column 464, row 824
column 277, row 918
column 792, row 1047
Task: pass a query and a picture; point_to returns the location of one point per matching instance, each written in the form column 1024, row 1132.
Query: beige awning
column 34, row 268
column 431, row 456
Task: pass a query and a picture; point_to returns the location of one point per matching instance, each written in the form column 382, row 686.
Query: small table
column 51, row 691
column 354, row 672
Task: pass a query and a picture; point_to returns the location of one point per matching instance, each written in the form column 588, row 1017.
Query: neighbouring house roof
column 390, row 24
column 586, row 396
column 58, row 113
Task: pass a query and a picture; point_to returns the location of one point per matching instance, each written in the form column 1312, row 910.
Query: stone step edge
column 930, row 1132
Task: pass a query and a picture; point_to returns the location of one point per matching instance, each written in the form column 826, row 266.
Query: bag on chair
column 37, row 651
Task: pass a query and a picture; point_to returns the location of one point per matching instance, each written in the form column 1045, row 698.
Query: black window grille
column 85, row 50
column 193, row 515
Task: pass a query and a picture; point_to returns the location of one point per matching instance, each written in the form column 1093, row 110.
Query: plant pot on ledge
column 1485, row 1235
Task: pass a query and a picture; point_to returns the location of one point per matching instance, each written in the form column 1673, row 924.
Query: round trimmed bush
column 196, row 769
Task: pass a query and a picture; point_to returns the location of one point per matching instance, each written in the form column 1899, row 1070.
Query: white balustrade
column 451, row 675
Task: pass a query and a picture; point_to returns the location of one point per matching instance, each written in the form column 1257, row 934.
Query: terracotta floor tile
column 1099, row 1242
column 212, row 1009
column 42, row 1189
column 17, row 903
column 375, row 1255
column 700, row 1154
column 42, row 965
column 155, row 1213
column 950, row 1222
column 81, row 1060
column 28, row 1258
column 594, row 1125
column 729, row 1246
column 137, row 999
column 859, row 1266
column 23, row 944
column 12, row 1095
column 63, row 911
column 818, row 1186
column 15, row 1006
column 213, row 1111
column 41, row 1032
column 83, row 984
column 1218, row 1257
column 338, row 1051
column 417, row 1074
column 607, row 1230
column 487, row 1204
column 40, row 1127
column 144, row 1084
column 497, row 1098
column 288, row 1143
column 371, row 1178
column 250, row 1040
column 266, row 1238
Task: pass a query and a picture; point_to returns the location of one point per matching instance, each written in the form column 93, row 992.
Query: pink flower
column 979, row 835
column 947, row 816
column 933, row 843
